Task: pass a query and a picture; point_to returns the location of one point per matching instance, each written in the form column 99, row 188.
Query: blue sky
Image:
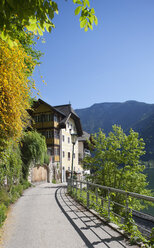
column 112, row 63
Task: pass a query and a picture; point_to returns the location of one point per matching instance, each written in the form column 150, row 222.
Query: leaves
column 14, row 90
column 37, row 17
column 87, row 18
column 116, row 161
column 33, row 149
column 77, row 10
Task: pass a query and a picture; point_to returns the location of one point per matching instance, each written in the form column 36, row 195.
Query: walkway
column 46, row 217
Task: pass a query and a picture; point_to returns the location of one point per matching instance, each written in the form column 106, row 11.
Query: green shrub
column 26, row 184
column 53, row 180
column 16, row 192
column 4, row 197
column 2, row 213
column 46, row 158
column 33, row 149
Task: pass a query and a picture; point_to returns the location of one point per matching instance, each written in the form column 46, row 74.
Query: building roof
column 84, row 137
column 66, row 112
column 66, row 109
column 40, row 101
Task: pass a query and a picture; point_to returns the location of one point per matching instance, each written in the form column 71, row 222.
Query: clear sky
column 112, row 63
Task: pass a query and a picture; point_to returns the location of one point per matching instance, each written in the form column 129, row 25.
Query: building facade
column 57, row 124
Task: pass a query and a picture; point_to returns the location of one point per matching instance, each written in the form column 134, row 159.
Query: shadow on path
column 92, row 231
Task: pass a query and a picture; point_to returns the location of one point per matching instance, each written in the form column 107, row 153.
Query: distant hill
column 130, row 114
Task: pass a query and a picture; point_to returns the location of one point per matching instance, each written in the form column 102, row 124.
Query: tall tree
column 15, row 67
column 115, row 161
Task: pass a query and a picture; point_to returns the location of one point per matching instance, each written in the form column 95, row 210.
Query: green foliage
column 4, row 197
column 46, row 158
column 87, row 17
column 132, row 230
column 116, row 163
column 36, row 16
column 10, row 165
column 101, row 207
column 54, row 181
column 15, row 192
column 25, row 184
column 2, row 213
column 115, row 160
column 151, row 241
column 33, row 150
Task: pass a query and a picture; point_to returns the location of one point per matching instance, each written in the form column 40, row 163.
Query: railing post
column 96, row 193
column 73, row 185
column 87, row 195
column 67, row 185
column 127, row 195
column 80, row 189
column 76, row 189
column 109, row 200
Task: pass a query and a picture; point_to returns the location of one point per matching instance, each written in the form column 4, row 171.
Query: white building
column 57, row 124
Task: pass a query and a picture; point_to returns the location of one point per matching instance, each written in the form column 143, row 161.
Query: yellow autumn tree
column 15, row 90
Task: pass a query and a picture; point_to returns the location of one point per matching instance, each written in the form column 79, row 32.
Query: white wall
column 67, row 147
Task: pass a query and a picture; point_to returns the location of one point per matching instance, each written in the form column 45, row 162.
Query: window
column 56, row 134
column 63, row 138
column 68, row 168
column 37, row 118
column 56, row 151
column 48, row 117
column 63, row 154
column 69, row 155
column 68, row 139
column 43, row 118
column 74, row 168
column 55, row 118
column 50, row 151
column 49, row 134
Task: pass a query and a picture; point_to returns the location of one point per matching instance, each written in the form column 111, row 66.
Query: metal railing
column 103, row 199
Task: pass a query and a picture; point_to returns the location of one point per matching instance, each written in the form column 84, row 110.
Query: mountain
column 129, row 114
column 145, row 128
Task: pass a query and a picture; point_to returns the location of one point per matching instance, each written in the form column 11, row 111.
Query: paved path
column 46, row 217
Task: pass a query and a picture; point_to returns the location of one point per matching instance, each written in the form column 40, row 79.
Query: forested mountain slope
column 130, row 114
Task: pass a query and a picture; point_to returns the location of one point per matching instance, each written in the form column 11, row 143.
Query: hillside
column 130, row 114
